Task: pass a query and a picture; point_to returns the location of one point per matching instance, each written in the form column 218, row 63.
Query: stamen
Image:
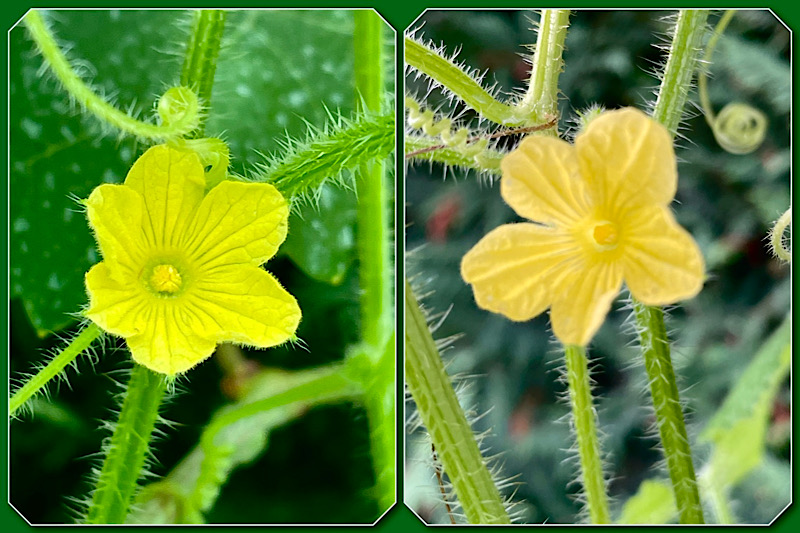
column 165, row 279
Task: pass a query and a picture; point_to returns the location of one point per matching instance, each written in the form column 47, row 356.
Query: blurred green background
column 277, row 72
column 728, row 202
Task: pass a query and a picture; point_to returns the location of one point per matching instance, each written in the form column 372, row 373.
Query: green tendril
column 38, row 381
column 739, row 128
column 94, row 104
column 776, row 238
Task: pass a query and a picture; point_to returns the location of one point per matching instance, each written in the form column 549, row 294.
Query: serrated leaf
column 57, row 154
column 322, row 237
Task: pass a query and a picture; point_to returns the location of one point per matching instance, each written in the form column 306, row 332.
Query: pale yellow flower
column 603, row 216
column 181, row 271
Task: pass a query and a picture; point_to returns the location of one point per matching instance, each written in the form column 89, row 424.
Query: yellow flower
column 602, row 214
column 180, row 271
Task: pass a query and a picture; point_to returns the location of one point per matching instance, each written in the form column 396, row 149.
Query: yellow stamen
column 605, row 236
column 165, row 278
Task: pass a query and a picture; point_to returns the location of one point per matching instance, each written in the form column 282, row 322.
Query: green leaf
column 322, row 237
column 653, row 503
column 270, row 84
column 738, row 429
column 56, row 154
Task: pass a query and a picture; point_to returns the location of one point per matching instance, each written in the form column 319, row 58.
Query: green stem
column 672, row 96
column 125, row 455
column 56, row 365
column 541, row 98
column 327, row 155
column 669, row 414
column 583, row 420
column 489, row 160
column 776, row 236
column 373, row 203
column 681, row 65
column 93, row 103
column 372, row 241
column 460, row 83
column 202, row 50
column 451, row 434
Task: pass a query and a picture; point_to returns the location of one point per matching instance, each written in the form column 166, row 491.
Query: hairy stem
column 94, row 104
column 126, row 453
column 451, row 434
column 372, row 239
column 56, row 365
column 541, row 98
column 681, row 65
column 672, row 96
column 669, row 413
column 373, row 203
column 429, row 149
column 460, row 83
column 776, row 240
column 202, row 50
column 584, row 423
column 327, row 155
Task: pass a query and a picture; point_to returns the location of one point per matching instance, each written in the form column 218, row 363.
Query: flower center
column 605, row 235
column 165, row 279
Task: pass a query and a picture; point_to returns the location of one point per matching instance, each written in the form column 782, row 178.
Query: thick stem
column 669, row 413
column 584, row 423
column 460, row 83
column 541, row 98
column 451, row 434
column 374, row 263
column 89, row 100
column 56, row 365
column 373, row 206
column 126, row 453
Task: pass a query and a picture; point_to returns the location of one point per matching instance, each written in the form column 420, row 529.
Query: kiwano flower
column 181, row 271
column 602, row 216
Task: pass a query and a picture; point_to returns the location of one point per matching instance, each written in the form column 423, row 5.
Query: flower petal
column 238, row 223
column 244, row 303
column 584, row 297
column 626, row 158
column 169, row 343
column 114, row 304
column 121, row 238
column 171, row 183
column 662, row 263
column 541, row 181
column 511, row 268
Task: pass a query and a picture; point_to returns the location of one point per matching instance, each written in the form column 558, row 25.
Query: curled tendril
column 178, row 104
column 776, row 240
column 740, row 128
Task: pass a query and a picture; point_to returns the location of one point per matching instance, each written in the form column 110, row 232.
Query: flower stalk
column 450, row 433
column 584, row 424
